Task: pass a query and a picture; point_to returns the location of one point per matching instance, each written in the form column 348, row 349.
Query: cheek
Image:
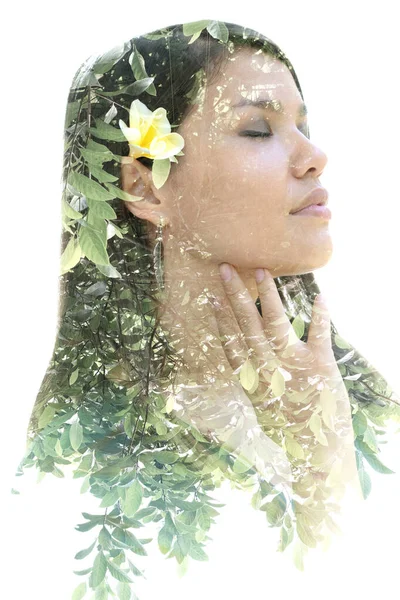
column 250, row 163
column 250, row 182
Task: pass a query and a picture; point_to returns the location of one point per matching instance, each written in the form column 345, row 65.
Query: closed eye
column 255, row 133
column 267, row 134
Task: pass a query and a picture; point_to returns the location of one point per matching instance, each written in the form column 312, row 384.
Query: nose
column 308, row 157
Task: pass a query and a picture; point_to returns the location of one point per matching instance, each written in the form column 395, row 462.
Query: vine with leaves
column 103, row 405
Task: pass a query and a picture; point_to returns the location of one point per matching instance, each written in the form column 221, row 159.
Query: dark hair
column 110, row 357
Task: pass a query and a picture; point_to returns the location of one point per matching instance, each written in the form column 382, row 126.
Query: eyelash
column 256, row 134
column 249, row 133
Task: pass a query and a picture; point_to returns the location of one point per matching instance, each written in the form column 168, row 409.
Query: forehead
column 251, row 74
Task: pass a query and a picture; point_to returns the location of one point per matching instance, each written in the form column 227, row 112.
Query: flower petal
column 137, row 151
column 167, row 145
column 132, row 134
column 160, row 122
column 138, row 111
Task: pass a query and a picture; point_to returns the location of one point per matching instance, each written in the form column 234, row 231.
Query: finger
column 231, row 337
column 277, row 326
column 129, row 174
column 319, row 334
column 247, row 315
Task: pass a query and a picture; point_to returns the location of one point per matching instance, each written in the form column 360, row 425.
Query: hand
column 312, row 392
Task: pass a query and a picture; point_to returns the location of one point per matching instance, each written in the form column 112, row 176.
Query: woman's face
column 231, row 194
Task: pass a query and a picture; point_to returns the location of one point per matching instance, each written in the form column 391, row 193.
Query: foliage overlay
column 102, row 406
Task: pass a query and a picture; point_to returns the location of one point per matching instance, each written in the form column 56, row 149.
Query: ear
column 136, row 179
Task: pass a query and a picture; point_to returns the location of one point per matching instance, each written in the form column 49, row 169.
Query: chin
column 302, row 268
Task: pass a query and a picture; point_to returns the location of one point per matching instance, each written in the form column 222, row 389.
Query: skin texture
column 229, row 197
column 229, row 200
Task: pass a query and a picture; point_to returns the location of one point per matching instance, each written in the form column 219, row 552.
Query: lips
column 318, row 195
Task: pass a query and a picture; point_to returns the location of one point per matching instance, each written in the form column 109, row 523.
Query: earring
column 158, row 269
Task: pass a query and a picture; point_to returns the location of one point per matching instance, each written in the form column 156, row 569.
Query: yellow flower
column 149, row 133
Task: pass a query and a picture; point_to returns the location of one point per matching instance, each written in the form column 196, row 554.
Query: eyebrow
column 275, row 105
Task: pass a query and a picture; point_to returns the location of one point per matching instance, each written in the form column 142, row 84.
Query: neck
column 188, row 315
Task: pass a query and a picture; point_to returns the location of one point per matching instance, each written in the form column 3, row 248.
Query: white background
column 346, row 56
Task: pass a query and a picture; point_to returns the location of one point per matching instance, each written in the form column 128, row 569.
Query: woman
column 168, row 377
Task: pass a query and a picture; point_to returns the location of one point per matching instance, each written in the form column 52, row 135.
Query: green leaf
column 194, row 29
column 101, row 175
column 266, row 488
column 96, row 159
column 299, row 552
column 256, row 500
column 138, row 67
column 165, row 539
column 126, row 538
column 180, row 549
column 298, row 326
column 105, row 539
column 69, row 212
column 85, row 553
column 74, row 376
column 305, row 534
column 275, row 510
column 117, row 573
column 84, row 572
column 71, row 112
column 185, row 505
column 76, row 435
column 165, row 457
column 284, row 539
column 93, row 246
column 370, row 439
column 133, row 499
column 71, row 255
column 105, row 62
column 118, row 193
column 101, row 210
column 377, row 465
column 160, row 171
column 96, row 147
column 277, row 383
column 104, row 131
column 101, row 592
column 248, row 376
column 365, row 481
column 315, row 424
column 89, row 187
column 241, row 465
column 99, row 570
column 294, row 447
column 107, row 472
column 110, row 498
column 197, row 552
column 341, row 343
column 58, row 448
column 360, row 423
column 124, row 591
column 79, row 591
column 218, row 30
column 134, row 569
column 46, row 416
column 327, row 401
column 203, row 519
column 109, row 271
column 85, row 485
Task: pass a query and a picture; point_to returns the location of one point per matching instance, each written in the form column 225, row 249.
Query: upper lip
column 317, row 195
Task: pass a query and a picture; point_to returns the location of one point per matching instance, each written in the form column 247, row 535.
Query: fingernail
column 259, row 275
column 225, row 271
column 215, row 302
